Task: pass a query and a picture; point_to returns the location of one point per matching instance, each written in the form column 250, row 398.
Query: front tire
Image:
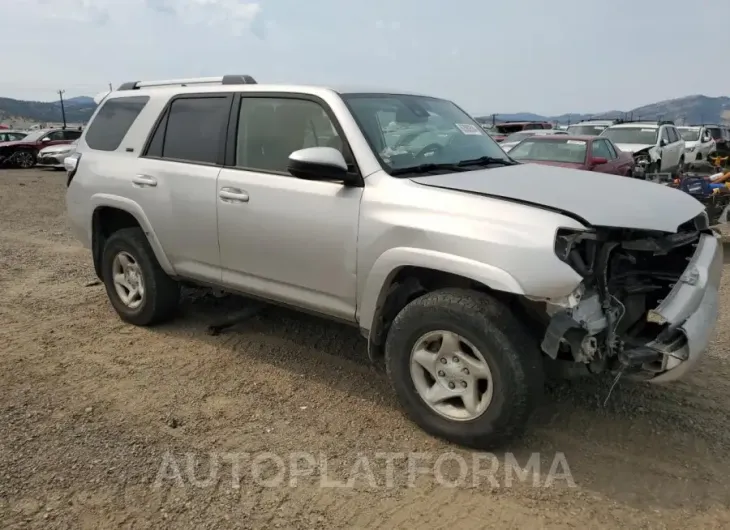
column 25, row 159
column 463, row 368
column 138, row 289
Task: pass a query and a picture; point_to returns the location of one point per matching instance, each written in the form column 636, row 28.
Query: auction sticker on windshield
column 468, row 128
column 575, row 142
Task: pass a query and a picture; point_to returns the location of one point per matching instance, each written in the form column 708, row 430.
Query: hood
column 58, row 148
column 632, row 148
column 691, row 145
column 598, row 199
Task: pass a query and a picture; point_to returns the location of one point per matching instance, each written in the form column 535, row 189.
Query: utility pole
column 63, row 110
column 110, row 88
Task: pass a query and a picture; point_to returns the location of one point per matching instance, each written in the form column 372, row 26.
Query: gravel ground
column 97, row 416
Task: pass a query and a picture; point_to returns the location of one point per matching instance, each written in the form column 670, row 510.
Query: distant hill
column 689, row 109
column 78, row 110
column 686, row 110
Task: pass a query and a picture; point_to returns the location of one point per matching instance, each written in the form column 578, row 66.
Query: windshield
column 34, row 136
column 553, row 149
column 689, row 135
column 407, row 131
column 631, row 135
column 586, row 130
column 519, row 136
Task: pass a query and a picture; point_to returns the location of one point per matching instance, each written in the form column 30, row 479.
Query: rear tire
column 485, row 329
column 159, row 296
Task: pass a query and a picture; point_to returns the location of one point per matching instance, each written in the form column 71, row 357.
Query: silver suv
column 467, row 272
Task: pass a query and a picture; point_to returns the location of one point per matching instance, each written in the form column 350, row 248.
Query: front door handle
column 144, row 181
column 233, row 195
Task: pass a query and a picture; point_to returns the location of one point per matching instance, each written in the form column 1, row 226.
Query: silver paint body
column 322, row 247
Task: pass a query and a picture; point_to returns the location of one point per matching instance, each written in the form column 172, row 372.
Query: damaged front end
column 647, row 304
column 645, row 161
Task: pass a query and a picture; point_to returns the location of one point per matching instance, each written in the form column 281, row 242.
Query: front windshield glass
column 553, row 149
column 407, row 131
column 586, row 130
column 689, row 135
column 34, row 136
column 631, row 135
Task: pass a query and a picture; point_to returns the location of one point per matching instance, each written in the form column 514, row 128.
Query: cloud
column 236, row 15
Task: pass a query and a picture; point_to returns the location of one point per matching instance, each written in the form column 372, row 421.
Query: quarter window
column 270, row 129
column 113, row 121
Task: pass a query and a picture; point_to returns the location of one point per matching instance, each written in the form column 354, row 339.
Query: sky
column 543, row 56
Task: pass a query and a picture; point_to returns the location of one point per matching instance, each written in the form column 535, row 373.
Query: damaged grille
column 626, row 274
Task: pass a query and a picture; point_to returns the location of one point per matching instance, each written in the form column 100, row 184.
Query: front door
column 280, row 237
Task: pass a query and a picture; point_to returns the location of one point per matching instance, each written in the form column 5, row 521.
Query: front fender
column 391, row 261
column 100, row 200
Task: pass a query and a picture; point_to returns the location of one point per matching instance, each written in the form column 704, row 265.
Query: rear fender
column 121, row 203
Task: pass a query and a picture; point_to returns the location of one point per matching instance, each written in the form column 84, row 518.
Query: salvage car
column 657, row 146
column 23, row 153
column 513, row 139
column 463, row 269
column 54, row 155
column 589, row 153
column 698, row 143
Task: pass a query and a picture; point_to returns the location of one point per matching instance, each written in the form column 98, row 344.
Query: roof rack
column 653, row 122
column 219, row 80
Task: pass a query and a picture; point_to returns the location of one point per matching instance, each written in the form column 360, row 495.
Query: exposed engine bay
column 610, row 322
column 646, row 161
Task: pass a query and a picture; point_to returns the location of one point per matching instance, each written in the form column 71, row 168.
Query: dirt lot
column 90, row 408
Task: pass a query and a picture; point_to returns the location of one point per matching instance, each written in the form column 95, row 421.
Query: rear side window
column 193, row 129
column 113, row 121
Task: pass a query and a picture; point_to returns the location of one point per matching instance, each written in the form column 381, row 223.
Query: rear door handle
column 233, row 195
column 144, row 181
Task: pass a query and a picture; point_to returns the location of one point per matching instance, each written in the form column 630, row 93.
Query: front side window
column 112, row 122
column 673, row 136
column 631, row 135
column 196, row 128
column 270, row 129
column 600, row 149
column 551, row 150
column 429, row 131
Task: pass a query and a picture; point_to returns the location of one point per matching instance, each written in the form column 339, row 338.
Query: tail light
column 71, row 163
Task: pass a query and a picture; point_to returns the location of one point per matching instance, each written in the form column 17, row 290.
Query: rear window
column 551, row 150
column 716, row 132
column 112, row 122
column 586, row 130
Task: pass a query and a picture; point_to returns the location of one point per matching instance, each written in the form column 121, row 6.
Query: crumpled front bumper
column 690, row 311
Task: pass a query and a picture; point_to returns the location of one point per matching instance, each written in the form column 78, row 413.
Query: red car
column 22, row 153
column 590, row 153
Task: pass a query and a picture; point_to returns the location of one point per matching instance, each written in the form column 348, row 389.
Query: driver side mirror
column 663, row 142
column 321, row 163
column 46, row 139
column 598, row 160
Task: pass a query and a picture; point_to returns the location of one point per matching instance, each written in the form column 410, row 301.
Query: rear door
column 175, row 181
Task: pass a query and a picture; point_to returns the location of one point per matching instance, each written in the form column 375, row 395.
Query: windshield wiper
column 426, row 168
column 487, row 161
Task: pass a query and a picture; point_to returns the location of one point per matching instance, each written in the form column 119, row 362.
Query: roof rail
column 219, row 80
